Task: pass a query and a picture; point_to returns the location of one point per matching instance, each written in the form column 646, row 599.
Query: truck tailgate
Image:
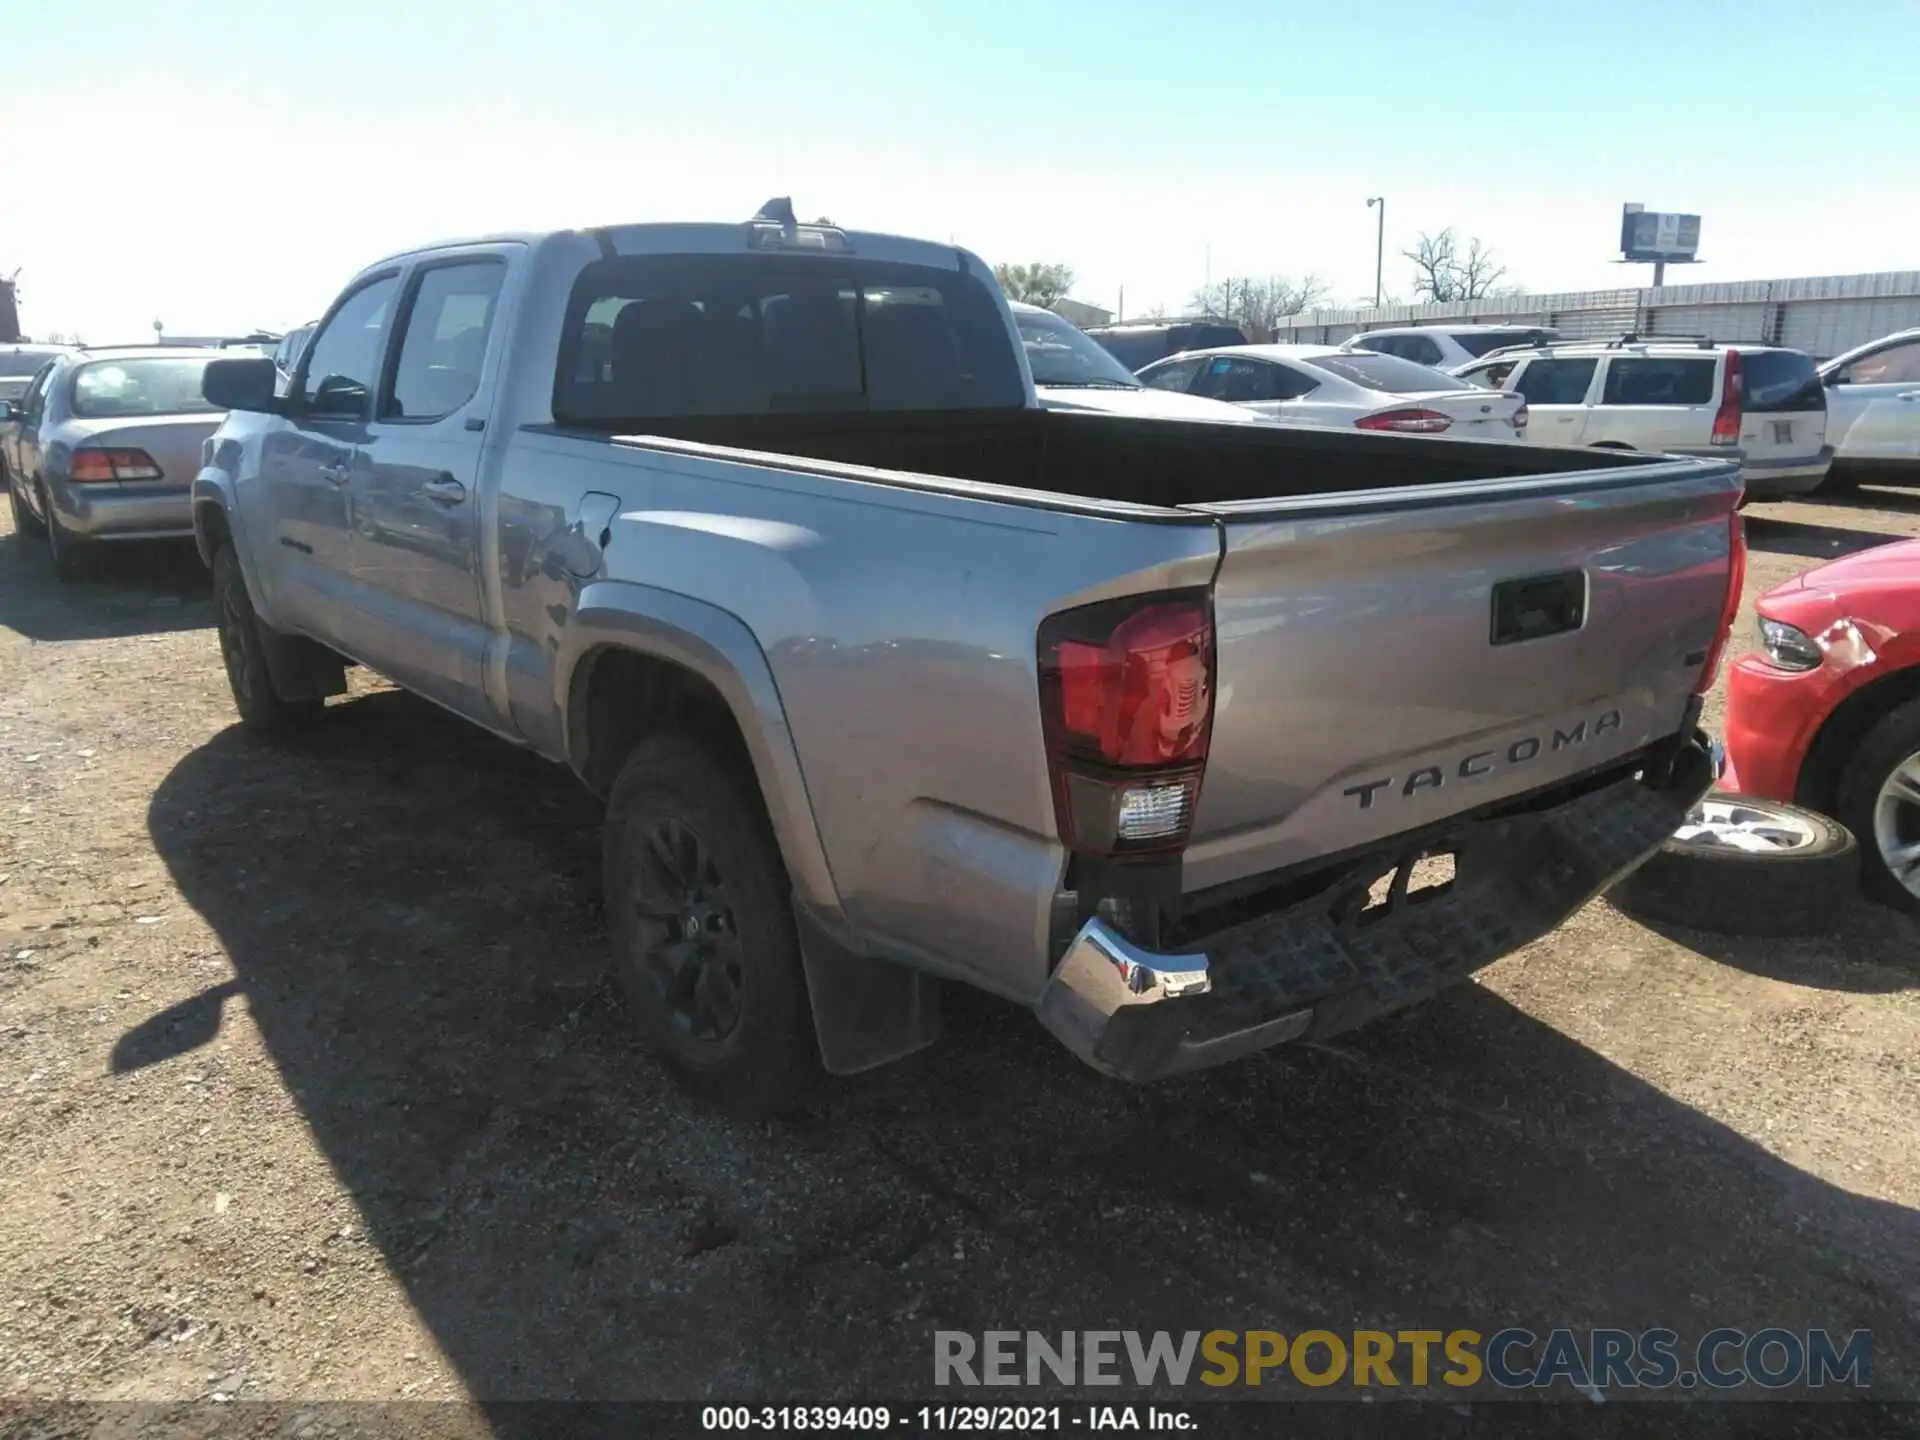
column 1387, row 661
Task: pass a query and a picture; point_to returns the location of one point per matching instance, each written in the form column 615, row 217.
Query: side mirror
column 242, row 385
column 11, row 410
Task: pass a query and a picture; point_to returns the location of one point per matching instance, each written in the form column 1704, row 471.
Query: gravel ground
column 311, row 1086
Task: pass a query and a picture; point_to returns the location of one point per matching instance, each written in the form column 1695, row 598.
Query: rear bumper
column 123, row 512
column 1321, row 966
column 1778, row 479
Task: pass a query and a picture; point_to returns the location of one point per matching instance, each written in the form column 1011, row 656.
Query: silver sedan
column 106, row 449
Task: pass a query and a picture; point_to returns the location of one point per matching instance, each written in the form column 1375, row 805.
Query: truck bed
column 1140, row 462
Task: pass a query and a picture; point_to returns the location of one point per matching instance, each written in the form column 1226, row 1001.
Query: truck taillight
column 1407, row 422
column 1726, row 420
column 1126, row 704
column 1736, row 584
column 93, row 465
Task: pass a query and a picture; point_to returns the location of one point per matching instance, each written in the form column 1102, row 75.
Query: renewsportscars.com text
column 1513, row 1358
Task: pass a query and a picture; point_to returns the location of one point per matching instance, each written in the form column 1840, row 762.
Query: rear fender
column 866, row 1011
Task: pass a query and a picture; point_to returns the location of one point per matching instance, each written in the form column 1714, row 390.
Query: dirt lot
column 311, row 1086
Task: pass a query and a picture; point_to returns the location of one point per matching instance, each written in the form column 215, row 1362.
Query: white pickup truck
column 893, row 678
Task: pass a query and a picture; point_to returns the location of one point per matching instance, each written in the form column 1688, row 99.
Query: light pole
column 1379, row 244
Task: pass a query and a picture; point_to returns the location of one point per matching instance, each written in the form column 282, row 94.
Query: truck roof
column 708, row 237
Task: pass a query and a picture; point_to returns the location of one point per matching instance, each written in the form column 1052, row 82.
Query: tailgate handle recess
column 1535, row 606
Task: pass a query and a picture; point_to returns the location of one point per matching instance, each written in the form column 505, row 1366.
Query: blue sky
column 217, row 166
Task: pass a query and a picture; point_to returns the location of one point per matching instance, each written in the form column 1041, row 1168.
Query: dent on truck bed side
column 719, row 648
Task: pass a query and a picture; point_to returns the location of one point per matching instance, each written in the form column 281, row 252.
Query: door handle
column 444, row 490
column 336, row 473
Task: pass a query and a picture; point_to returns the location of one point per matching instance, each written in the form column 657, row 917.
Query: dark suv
column 1138, row 346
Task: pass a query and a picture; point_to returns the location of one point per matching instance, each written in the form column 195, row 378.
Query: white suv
column 1445, row 347
column 1873, row 395
column 1759, row 404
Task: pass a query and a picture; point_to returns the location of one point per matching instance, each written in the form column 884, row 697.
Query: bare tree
column 1443, row 271
column 1259, row 305
column 1036, row 284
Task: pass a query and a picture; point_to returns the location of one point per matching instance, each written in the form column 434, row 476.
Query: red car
column 1827, row 714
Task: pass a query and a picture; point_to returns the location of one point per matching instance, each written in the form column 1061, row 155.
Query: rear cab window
column 1660, row 380
column 658, row 336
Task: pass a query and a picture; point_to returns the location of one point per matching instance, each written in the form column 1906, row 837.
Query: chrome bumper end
column 1125, row 1011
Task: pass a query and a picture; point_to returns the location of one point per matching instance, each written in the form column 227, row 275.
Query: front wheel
column 260, row 706
column 1880, row 799
column 700, row 914
column 1746, row 866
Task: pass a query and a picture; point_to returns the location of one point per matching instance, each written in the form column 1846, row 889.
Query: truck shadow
column 409, row 906
column 132, row 589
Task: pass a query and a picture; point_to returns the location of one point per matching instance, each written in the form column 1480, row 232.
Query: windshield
column 1387, row 373
column 1061, row 354
column 169, row 386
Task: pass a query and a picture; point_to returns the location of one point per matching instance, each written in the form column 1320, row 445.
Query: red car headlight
column 1788, row 646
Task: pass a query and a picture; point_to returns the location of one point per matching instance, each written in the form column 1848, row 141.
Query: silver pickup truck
column 1191, row 738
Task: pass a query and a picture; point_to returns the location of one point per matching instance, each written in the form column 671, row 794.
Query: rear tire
column 1796, row 890
column 700, row 916
column 1869, row 801
column 261, row 708
column 25, row 522
column 70, row 555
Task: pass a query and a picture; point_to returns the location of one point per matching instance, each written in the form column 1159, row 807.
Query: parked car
column 1138, row 346
column 292, row 345
column 17, row 394
column 1759, row 404
column 1826, row 714
column 20, row 363
column 762, row 529
column 107, row 445
column 1072, row 372
column 1873, row 411
column 1326, row 385
column 1446, row 347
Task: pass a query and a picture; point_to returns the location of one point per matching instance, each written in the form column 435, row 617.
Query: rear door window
column 445, row 340
column 1556, row 381
column 657, row 336
column 1779, row 381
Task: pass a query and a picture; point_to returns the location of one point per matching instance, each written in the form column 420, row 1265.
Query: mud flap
column 866, row 1012
column 300, row 668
